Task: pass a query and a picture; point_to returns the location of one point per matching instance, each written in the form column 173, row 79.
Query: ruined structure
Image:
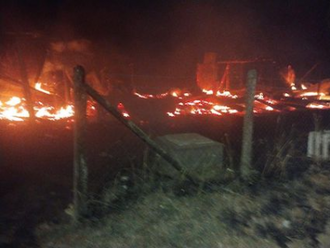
column 207, row 72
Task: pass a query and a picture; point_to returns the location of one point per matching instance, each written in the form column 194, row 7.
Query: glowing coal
column 318, row 105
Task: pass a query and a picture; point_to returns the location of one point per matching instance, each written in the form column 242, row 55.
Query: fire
column 266, row 99
column 289, row 76
column 15, row 110
column 260, row 96
column 316, row 105
column 14, row 101
column 14, row 114
column 226, row 93
column 219, row 93
column 311, row 93
column 123, row 111
column 11, row 111
column 51, row 114
column 293, row 86
column 38, row 87
column 225, row 109
column 219, row 103
column 174, row 93
column 201, row 107
column 303, row 87
column 269, row 108
column 151, row 96
column 212, row 103
column 208, row 92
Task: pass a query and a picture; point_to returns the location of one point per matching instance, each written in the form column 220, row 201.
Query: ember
column 318, row 105
column 201, row 107
column 219, row 103
column 122, row 110
column 150, row 96
column 174, row 93
column 226, row 93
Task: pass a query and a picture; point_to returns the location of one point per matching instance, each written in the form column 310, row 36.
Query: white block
column 318, row 146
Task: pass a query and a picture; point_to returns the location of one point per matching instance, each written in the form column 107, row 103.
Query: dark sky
column 169, row 37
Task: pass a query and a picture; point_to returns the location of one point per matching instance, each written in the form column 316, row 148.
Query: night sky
column 170, row 37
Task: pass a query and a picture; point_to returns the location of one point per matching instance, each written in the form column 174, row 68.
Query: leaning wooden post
column 246, row 156
column 138, row 132
column 80, row 165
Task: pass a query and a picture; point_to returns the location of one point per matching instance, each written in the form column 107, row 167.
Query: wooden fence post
column 246, row 156
column 80, row 180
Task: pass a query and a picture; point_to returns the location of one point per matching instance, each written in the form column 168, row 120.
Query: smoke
column 168, row 38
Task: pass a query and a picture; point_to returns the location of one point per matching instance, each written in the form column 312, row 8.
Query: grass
column 288, row 206
column 160, row 220
column 291, row 213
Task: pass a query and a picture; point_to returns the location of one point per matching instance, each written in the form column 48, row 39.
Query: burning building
column 56, row 74
column 47, row 87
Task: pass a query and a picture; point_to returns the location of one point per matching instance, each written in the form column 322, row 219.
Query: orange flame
column 226, row 93
column 315, row 105
column 38, row 87
column 15, row 110
column 201, row 107
column 208, row 92
column 148, row 96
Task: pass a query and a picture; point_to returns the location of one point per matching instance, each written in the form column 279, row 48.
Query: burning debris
column 150, row 96
column 318, row 105
column 219, row 96
column 43, row 89
column 221, row 103
column 15, row 110
column 122, row 110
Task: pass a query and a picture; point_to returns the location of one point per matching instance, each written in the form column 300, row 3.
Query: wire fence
column 151, row 113
column 203, row 134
